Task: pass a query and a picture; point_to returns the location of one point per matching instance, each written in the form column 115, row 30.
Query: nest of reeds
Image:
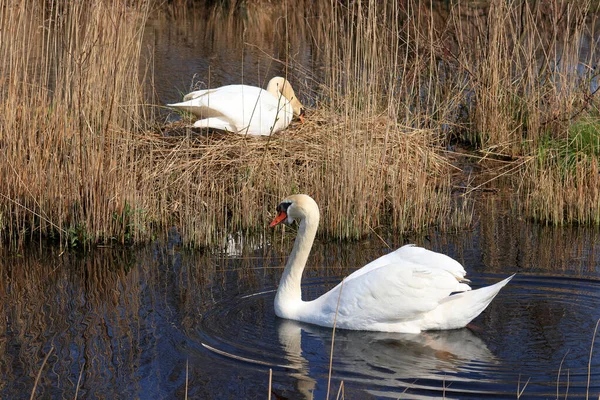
column 361, row 172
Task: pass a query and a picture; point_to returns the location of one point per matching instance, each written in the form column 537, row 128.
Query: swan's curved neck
column 289, row 293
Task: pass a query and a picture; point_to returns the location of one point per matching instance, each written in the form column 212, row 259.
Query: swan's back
column 238, row 108
column 418, row 256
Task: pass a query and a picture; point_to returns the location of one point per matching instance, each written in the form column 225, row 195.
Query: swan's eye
column 282, row 207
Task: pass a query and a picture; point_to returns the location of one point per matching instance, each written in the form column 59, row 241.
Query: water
column 201, row 52
column 526, row 332
column 141, row 323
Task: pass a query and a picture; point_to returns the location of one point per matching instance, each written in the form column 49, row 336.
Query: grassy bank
column 563, row 180
column 398, row 83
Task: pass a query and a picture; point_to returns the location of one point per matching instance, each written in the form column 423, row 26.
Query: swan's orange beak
column 278, row 219
column 301, row 116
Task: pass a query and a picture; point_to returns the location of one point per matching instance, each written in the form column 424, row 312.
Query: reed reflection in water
column 88, row 309
column 99, row 312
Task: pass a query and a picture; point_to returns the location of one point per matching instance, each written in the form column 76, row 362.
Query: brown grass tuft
column 380, row 174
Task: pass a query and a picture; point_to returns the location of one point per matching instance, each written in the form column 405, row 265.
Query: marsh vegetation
column 394, row 89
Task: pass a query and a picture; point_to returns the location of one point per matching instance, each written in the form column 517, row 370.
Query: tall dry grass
column 399, row 80
column 533, row 81
column 71, row 105
column 79, row 166
column 516, row 80
column 371, row 152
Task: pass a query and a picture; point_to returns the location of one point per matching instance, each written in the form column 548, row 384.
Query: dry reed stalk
column 589, row 369
column 78, row 382
column 532, row 82
column 270, row 387
column 187, row 365
column 39, row 374
column 337, row 307
column 70, row 103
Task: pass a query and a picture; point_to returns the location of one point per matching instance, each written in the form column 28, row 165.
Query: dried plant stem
column 79, row 382
column 587, row 388
column 39, row 374
column 333, row 340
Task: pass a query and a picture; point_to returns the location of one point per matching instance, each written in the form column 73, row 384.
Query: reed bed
column 513, row 80
column 533, row 82
column 71, row 104
column 245, row 177
column 85, row 163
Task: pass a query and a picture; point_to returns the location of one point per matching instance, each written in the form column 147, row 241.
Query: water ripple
column 536, row 326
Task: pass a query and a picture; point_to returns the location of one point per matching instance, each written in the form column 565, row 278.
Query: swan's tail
column 459, row 309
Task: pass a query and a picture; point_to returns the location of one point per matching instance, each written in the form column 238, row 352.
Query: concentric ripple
column 536, row 338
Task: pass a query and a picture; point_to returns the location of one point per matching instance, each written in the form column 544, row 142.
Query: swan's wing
column 216, row 123
column 415, row 255
column 432, row 259
column 241, row 106
column 396, row 292
column 233, row 101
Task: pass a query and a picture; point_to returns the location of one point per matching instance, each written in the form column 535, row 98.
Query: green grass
column 579, row 145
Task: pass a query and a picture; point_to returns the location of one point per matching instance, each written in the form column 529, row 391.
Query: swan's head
column 281, row 85
column 295, row 207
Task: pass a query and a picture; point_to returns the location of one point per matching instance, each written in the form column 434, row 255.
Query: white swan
column 244, row 109
column 409, row 290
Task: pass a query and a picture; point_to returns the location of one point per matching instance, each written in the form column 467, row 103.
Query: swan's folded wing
column 431, row 259
column 414, row 255
column 199, row 109
column 212, row 103
column 393, row 293
column 238, row 104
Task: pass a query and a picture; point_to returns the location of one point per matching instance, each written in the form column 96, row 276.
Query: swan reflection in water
column 387, row 363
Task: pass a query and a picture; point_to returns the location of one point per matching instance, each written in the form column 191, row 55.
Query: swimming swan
column 244, row 109
column 409, row 290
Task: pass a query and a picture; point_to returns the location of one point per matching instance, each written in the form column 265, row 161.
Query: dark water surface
column 205, row 50
column 128, row 324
